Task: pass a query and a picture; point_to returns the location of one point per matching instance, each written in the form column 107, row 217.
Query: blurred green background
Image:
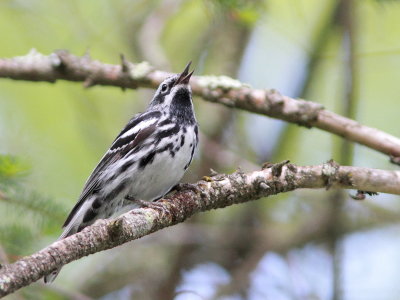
column 344, row 54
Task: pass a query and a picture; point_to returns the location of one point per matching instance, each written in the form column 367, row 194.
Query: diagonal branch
column 213, row 192
column 218, row 89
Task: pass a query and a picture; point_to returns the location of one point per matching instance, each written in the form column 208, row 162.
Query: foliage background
column 344, row 54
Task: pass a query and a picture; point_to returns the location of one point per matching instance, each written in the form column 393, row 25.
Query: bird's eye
column 164, row 88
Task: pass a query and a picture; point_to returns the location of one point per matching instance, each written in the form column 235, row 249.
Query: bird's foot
column 151, row 204
column 140, row 203
column 130, row 198
column 143, row 203
column 185, row 186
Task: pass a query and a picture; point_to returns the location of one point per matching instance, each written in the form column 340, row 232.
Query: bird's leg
column 184, row 186
column 141, row 203
column 146, row 204
column 130, row 198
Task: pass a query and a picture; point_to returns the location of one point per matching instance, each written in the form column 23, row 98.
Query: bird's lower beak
column 185, row 75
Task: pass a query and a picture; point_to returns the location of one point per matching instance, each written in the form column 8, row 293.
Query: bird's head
column 174, row 93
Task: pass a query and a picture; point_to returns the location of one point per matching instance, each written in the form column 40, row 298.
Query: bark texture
column 210, row 193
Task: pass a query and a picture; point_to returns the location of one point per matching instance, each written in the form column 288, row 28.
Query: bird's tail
column 50, row 278
column 68, row 230
column 76, row 222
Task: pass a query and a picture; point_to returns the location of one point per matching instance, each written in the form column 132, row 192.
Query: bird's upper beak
column 185, row 75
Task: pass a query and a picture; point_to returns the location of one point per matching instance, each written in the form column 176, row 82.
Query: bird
column 146, row 160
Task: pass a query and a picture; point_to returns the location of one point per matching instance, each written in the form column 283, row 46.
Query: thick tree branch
column 223, row 90
column 211, row 193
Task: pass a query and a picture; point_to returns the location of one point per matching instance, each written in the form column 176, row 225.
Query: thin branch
column 223, row 90
column 214, row 192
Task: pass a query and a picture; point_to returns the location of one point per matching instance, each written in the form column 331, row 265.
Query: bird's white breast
column 165, row 171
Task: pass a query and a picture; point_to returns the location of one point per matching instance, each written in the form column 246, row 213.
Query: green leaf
column 12, row 168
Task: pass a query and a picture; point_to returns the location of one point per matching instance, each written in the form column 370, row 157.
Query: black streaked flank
column 147, row 160
column 165, row 148
column 126, row 166
column 196, row 132
column 191, row 157
column 143, row 135
column 165, row 122
column 89, row 215
column 97, row 203
column 167, row 133
column 139, row 142
column 116, row 191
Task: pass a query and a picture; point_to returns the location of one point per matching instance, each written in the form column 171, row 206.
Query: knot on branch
column 307, row 113
column 67, row 64
column 276, row 169
column 115, row 229
column 301, row 112
column 274, row 100
column 278, row 184
column 264, row 188
column 60, row 60
column 330, row 173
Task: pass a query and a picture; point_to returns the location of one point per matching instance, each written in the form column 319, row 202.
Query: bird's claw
column 156, row 205
column 184, row 186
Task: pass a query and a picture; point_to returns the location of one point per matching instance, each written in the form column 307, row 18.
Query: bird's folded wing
column 132, row 136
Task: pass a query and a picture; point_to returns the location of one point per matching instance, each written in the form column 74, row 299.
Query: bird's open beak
column 185, row 75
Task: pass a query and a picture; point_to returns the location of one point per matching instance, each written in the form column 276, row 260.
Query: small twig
column 361, row 195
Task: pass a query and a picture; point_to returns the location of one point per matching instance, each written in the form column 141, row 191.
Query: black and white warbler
column 145, row 161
